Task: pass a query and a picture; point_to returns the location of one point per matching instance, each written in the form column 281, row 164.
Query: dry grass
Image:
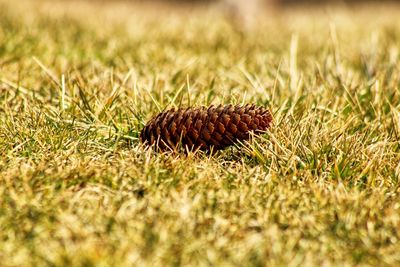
column 79, row 80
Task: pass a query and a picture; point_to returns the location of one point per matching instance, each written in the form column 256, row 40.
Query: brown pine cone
column 204, row 128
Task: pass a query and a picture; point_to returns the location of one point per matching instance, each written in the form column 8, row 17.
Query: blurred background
column 267, row 2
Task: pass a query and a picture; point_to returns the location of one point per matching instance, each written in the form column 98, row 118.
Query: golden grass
column 79, row 80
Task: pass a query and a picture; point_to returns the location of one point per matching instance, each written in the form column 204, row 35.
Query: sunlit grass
column 79, row 80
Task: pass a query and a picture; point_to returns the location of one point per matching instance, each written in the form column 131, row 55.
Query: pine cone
column 204, row 128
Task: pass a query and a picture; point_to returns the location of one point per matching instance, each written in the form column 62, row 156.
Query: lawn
column 79, row 80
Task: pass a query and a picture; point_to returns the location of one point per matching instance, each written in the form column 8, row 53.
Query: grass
column 78, row 80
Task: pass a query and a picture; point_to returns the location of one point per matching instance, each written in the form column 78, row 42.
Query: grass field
column 78, row 80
